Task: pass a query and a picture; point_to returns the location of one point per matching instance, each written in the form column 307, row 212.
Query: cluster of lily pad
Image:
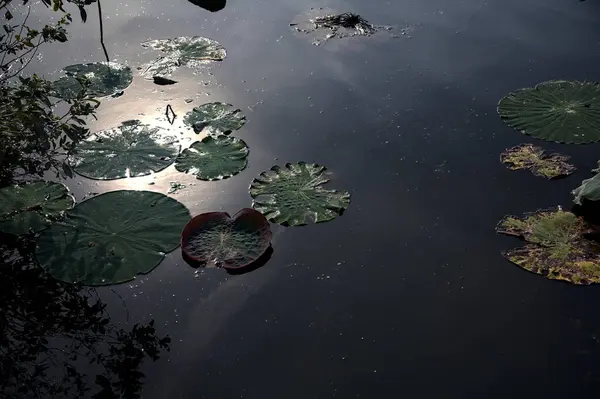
column 115, row 236
column 561, row 245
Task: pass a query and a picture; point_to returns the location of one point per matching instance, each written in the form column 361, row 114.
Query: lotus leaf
column 215, row 118
column 105, row 79
column 589, row 189
column 217, row 239
column 293, row 196
column 214, row 158
column 528, row 156
column 560, row 111
column 182, row 51
column 29, row 208
column 132, row 149
column 113, row 237
column 557, row 248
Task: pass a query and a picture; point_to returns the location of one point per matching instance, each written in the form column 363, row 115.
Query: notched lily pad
column 215, row 118
column 293, row 195
column 105, row 79
column 216, row 239
column 561, row 111
column 589, row 190
column 132, row 149
column 558, row 247
column 189, row 51
column 535, row 159
column 31, row 207
column 214, row 158
column 112, row 237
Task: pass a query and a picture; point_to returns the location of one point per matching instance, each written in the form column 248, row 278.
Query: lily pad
column 293, row 195
column 217, row 239
column 558, row 247
column 560, row 111
column 589, row 189
column 189, row 51
column 132, row 149
column 215, row 118
column 29, row 208
column 528, row 156
column 214, row 158
column 105, row 79
column 112, row 237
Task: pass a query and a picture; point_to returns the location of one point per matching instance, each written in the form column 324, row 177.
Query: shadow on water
column 210, row 5
column 49, row 330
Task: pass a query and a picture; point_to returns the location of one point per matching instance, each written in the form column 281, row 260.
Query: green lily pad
column 132, row 149
column 105, row 78
column 557, row 248
column 215, row 118
column 29, row 208
column 214, row 158
column 589, row 189
column 528, row 156
column 293, row 196
column 113, row 237
column 190, row 51
column 216, row 239
column 560, row 111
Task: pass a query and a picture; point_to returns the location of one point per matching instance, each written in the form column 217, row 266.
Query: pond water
column 407, row 293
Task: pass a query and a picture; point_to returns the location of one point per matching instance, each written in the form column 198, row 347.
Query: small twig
column 171, row 121
column 124, row 304
column 102, row 31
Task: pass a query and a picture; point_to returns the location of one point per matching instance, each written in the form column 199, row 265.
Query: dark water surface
column 406, row 294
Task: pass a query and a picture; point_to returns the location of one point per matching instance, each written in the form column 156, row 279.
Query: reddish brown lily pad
column 217, row 239
column 535, row 159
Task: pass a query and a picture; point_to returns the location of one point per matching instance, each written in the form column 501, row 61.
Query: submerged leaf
column 560, row 111
column 528, row 156
column 189, row 51
column 132, row 149
column 589, row 189
column 105, row 79
column 214, row 158
column 113, row 237
column 558, row 247
column 215, row 118
column 29, row 208
column 217, row 239
column 293, row 196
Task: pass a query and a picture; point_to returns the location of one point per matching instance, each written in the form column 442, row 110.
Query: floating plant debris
column 112, row 237
column 528, row 156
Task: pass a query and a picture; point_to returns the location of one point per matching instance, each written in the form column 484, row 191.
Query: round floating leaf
column 558, row 247
column 217, row 239
column 560, row 111
column 213, row 158
column 113, row 237
column 182, row 51
column 105, row 79
column 29, row 208
column 528, row 156
column 589, row 189
column 215, row 118
column 293, row 196
column 132, row 149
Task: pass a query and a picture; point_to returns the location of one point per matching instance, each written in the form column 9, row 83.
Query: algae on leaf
column 214, row 158
column 217, row 239
column 557, row 248
column 215, row 118
column 528, row 156
column 589, row 189
column 132, row 149
column 293, row 195
column 112, row 237
column 31, row 207
column 560, row 111
column 189, row 51
column 105, row 79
